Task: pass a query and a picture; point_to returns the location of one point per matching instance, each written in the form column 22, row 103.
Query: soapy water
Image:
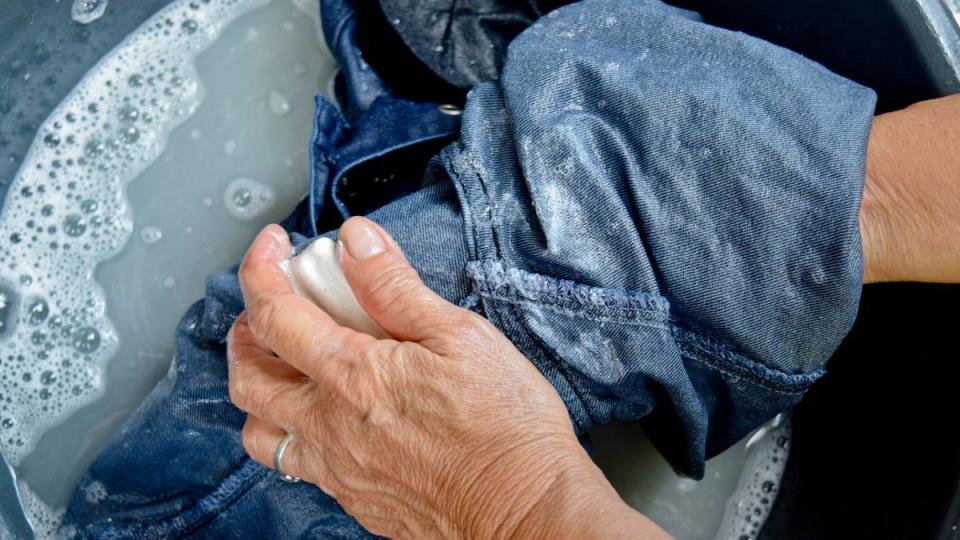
column 66, row 211
column 750, row 505
column 731, row 501
column 72, row 210
column 247, row 199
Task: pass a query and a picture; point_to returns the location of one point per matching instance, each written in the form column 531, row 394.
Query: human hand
column 446, row 430
column 910, row 216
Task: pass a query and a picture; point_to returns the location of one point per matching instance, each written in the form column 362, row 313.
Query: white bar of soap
column 315, row 274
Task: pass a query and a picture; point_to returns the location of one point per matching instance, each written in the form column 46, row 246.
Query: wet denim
column 661, row 215
column 465, row 43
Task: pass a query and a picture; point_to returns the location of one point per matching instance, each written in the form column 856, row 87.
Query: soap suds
column 66, row 211
column 751, row 502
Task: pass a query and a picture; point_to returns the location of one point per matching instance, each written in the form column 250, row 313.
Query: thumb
column 385, row 284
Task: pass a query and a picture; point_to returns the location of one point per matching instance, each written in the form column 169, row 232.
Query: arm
column 910, row 216
column 448, row 431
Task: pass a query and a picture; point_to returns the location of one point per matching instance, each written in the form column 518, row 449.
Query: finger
column 269, row 388
column 385, row 284
column 262, row 439
column 303, row 335
column 242, row 343
column 260, row 273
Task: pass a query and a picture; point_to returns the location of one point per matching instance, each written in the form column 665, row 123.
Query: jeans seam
column 708, row 352
column 168, row 526
column 639, row 320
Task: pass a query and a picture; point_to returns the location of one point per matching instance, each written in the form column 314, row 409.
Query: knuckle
column 463, row 326
column 263, row 314
column 237, row 388
column 250, row 265
column 391, row 285
column 252, row 444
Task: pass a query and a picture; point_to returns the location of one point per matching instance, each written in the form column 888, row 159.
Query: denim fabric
column 661, row 215
column 465, row 43
column 374, row 124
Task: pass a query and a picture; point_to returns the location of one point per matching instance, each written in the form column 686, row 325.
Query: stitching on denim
column 494, row 279
column 635, row 318
column 716, row 356
column 315, row 156
column 200, row 511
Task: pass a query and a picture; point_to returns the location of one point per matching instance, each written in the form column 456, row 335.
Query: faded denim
column 661, row 215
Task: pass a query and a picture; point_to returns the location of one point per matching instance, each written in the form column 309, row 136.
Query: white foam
column 66, row 211
column 246, row 199
column 44, row 519
column 749, row 506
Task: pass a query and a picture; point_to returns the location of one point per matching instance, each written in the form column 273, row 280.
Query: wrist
column 562, row 495
column 911, row 198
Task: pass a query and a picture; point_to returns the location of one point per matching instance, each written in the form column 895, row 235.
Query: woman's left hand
column 445, row 430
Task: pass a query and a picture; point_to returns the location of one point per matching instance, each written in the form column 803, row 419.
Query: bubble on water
column 52, row 140
column 189, row 26
column 230, row 146
column 169, row 283
column 86, row 340
column 129, row 114
column 38, row 311
column 130, row 135
column 151, row 235
column 89, row 206
column 246, row 198
column 8, row 305
column 74, row 225
column 94, row 148
column 278, row 103
column 87, row 11
column 38, row 337
column 241, row 198
column 47, row 378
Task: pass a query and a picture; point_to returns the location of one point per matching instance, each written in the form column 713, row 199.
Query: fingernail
column 280, row 236
column 361, row 240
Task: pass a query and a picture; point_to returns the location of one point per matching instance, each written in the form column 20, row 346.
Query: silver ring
column 278, row 459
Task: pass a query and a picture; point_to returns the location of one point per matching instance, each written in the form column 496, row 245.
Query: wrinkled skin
column 910, row 217
column 408, row 434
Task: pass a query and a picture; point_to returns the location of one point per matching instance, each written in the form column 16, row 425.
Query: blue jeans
column 661, row 215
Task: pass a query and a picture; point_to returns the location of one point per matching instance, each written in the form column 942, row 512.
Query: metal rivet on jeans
column 449, row 109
